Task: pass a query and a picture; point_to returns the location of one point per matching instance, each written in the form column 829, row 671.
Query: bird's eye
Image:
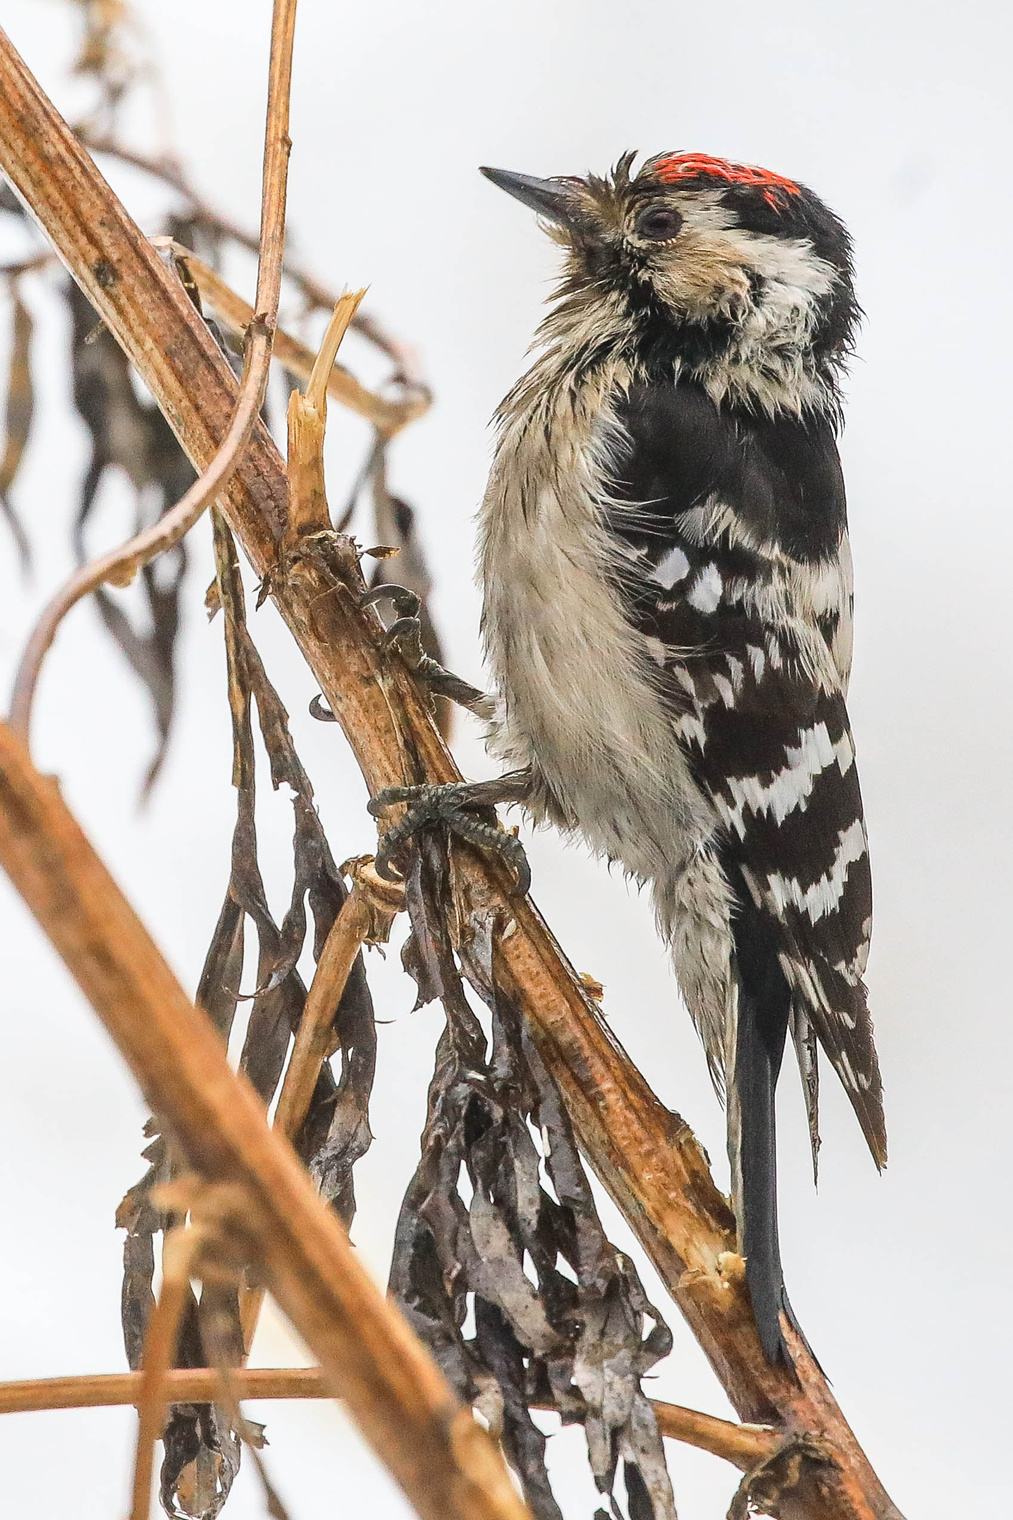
column 659, row 223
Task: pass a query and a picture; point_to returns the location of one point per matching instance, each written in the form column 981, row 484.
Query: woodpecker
column 667, row 614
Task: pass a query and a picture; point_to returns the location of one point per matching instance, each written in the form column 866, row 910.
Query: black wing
column 734, row 530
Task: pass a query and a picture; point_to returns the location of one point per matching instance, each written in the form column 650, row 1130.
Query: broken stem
column 307, row 422
column 345, row 308
column 356, row 924
column 388, row 415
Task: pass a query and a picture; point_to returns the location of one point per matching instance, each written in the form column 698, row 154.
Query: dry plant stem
column 345, row 308
column 745, row 1446
column 356, row 922
column 646, row 1156
column 120, row 565
column 182, row 1385
column 446, row 1464
column 169, row 171
column 307, row 422
column 387, row 416
column 353, row 925
column 178, row 1255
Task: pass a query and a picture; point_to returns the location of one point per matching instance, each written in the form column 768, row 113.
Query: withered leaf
column 580, row 1338
column 135, row 438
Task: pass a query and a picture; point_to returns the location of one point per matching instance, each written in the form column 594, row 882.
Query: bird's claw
column 458, row 807
column 405, row 603
column 405, row 636
column 406, row 632
column 319, row 711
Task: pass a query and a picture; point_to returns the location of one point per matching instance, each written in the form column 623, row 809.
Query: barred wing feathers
column 733, row 541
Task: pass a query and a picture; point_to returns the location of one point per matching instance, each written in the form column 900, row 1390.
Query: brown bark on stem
column 444, row 1461
column 646, row 1156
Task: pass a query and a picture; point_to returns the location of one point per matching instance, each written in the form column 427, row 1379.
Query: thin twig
column 745, row 1446
column 182, row 1385
column 119, row 566
column 178, row 1255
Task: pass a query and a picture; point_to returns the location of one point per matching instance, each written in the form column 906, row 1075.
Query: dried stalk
column 119, row 567
column 647, row 1157
column 365, row 918
column 388, row 417
column 307, row 421
column 744, row 1446
column 444, row 1461
column 402, row 355
column 183, row 1385
column 178, row 1256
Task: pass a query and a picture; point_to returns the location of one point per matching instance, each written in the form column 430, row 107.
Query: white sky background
column 898, row 115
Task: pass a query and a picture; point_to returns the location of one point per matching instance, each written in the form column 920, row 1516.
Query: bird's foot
column 464, row 808
column 405, row 635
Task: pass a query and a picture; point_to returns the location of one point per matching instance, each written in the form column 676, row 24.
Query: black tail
column 763, row 1007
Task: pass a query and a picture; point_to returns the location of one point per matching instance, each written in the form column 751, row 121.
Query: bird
column 667, row 617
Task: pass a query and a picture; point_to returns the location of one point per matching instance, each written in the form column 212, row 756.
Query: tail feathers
column 803, row 1034
column 756, row 1035
column 834, row 1007
column 752, row 1151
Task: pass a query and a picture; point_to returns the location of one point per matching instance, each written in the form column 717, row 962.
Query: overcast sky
column 896, row 113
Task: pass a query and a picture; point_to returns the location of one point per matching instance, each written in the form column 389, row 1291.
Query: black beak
column 549, row 197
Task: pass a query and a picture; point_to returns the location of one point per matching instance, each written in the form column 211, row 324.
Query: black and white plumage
column 667, row 612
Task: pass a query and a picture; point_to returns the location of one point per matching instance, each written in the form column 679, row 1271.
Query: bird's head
column 736, row 275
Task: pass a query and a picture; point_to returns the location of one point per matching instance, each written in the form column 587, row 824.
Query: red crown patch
column 694, row 165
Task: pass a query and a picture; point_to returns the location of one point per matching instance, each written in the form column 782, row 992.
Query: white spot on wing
column 705, row 592
column 674, row 566
column 690, row 729
column 725, row 690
